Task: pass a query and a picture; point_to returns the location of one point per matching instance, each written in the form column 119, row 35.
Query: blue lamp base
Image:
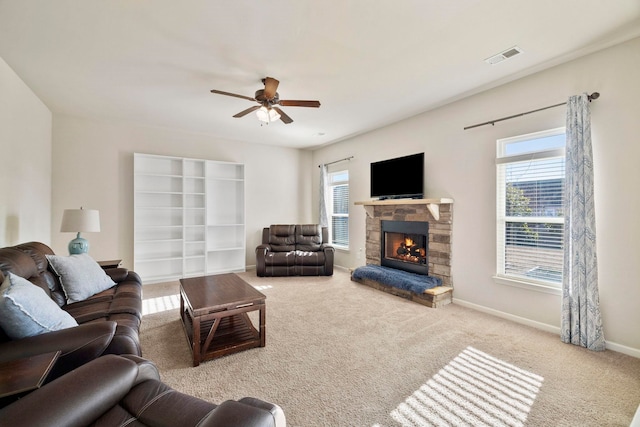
column 78, row 245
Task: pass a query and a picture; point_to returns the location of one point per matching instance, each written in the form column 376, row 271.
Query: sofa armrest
column 75, row 399
column 276, row 411
column 117, row 274
column 78, row 345
column 147, row 370
column 261, row 254
column 329, row 253
column 246, row 412
column 122, row 274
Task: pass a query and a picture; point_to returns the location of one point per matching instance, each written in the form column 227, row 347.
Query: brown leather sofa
column 109, row 321
column 295, row 250
column 99, row 378
column 126, row 391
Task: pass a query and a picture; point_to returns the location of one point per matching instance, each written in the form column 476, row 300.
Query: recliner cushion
column 280, row 258
column 26, row 310
column 153, row 403
column 310, row 258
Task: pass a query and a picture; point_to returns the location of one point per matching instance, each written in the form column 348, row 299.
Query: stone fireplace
column 436, row 212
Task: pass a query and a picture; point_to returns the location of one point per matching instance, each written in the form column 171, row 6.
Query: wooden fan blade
column 247, row 111
column 291, row 103
column 270, row 87
column 285, row 119
column 219, row 92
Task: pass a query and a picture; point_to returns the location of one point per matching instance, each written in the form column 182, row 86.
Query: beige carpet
column 342, row 354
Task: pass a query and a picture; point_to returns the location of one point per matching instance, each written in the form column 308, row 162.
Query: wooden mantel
column 432, row 204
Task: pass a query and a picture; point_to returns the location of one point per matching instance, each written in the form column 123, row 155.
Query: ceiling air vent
column 509, row 53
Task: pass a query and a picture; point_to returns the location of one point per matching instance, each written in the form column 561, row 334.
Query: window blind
column 530, row 216
column 340, row 215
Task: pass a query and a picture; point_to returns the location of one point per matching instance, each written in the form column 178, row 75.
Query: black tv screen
column 401, row 177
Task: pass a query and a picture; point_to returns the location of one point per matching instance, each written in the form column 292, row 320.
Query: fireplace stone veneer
column 437, row 212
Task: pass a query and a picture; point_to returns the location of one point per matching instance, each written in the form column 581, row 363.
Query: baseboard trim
column 336, row 267
column 508, row 316
column 629, row 351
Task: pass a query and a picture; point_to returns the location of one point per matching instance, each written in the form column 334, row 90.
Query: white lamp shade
column 78, row 220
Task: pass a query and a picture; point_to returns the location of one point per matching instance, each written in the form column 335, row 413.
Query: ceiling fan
column 268, row 100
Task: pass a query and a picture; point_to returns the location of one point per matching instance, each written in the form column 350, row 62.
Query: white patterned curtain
column 581, row 323
column 324, row 191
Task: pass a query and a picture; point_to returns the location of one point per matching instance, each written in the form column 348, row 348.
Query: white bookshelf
column 189, row 217
column 225, row 217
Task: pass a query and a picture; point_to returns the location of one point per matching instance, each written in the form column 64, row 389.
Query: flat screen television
column 402, row 177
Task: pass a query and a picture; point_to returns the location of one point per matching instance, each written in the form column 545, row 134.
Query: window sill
column 341, row 248
column 529, row 285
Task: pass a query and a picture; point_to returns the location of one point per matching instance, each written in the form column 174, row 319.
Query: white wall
column 25, row 175
column 93, row 168
column 461, row 164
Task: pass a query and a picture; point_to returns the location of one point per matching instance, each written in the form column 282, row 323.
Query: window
column 530, row 200
column 339, row 209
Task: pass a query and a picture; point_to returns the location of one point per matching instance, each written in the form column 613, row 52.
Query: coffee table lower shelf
column 233, row 334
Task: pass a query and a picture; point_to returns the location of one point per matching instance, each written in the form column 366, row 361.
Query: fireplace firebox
column 405, row 245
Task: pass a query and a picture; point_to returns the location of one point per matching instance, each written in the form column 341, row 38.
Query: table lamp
column 80, row 220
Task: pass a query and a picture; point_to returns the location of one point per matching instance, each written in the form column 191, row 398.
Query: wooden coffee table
column 214, row 315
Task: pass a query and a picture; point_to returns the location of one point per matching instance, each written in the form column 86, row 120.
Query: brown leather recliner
column 109, row 321
column 295, row 250
column 126, row 390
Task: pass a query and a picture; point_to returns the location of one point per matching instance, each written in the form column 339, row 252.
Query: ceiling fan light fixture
column 267, row 115
column 269, row 103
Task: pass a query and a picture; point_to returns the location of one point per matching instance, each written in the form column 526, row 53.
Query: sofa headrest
column 37, row 251
column 308, row 237
column 17, row 262
column 282, row 238
column 28, row 260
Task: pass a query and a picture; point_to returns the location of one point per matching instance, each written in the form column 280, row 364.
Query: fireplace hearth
column 405, row 245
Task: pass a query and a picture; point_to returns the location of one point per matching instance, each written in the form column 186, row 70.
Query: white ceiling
column 369, row 62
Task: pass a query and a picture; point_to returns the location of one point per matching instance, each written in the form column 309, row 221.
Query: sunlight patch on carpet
column 473, row 389
column 262, row 287
column 159, row 304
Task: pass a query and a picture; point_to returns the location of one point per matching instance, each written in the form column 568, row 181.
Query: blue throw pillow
column 81, row 276
column 26, row 310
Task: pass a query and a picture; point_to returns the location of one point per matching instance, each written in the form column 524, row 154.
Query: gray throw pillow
column 81, row 276
column 26, row 310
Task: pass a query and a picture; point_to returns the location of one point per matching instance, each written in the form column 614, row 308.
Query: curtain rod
column 594, row 95
column 336, row 161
